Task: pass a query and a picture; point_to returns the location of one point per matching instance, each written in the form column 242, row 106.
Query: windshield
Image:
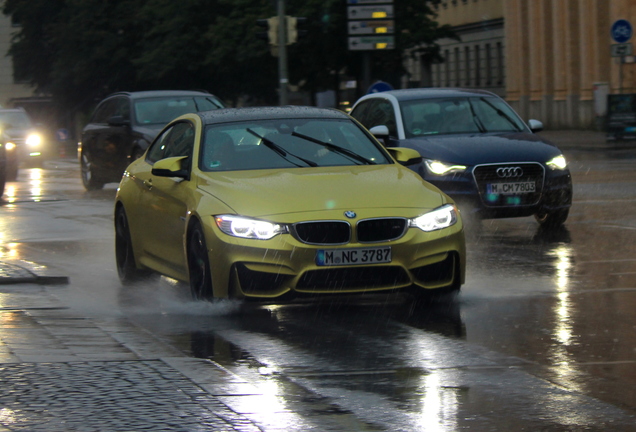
column 459, row 115
column 15, row 120
column 287, row 143
column 160, row 111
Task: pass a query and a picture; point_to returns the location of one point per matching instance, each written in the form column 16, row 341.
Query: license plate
column 339, row 257
column 511, row 188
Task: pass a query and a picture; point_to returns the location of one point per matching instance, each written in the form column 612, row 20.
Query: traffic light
column 293, row 32
column 272, row 30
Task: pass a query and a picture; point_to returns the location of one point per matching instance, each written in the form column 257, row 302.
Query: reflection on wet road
column 541, row 338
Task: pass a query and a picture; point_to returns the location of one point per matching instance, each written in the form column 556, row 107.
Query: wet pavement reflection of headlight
column 35, row 183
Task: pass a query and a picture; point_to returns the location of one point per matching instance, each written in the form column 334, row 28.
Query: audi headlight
column 243, row 227
column 442, row 168
column 440, row 218
column 557, row 163
column 34, row 140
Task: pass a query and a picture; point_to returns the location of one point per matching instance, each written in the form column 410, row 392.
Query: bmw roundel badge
column 350, row 214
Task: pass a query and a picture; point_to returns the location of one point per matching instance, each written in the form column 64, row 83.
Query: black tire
column 553, row 219
column 88, row 177
column 124, row 256
column 199, row 265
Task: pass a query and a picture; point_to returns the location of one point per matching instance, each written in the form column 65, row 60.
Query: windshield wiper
column 476, row 119
column 281, row 151
column 342, row 151
column 502, row 114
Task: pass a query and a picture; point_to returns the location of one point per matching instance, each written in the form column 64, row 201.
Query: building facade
column 10, row 90
column 550, row 59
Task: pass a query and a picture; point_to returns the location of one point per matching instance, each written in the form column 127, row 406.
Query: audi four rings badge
column 508, row 172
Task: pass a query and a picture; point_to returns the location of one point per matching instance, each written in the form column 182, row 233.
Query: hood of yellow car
column 265, row 193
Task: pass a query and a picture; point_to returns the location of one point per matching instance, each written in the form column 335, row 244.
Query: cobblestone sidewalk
column 109, row 396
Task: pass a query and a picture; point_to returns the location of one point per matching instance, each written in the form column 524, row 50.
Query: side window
column 158, row 148
column 104, row 111
column 381, row 113
column 178, row 140
column 122, row 108
column 360, row 112
column 181, row 140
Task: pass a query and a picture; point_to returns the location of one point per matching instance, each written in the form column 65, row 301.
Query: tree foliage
column 80, row 50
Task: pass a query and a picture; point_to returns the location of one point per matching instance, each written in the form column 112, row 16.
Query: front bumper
column 555, row 193
column 284, row 266
column 31, row 155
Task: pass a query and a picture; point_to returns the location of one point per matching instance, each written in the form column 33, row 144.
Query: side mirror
column 118, row 121
column 170, row 167
column 535, row 125
column 405, row 156
column 379, row 131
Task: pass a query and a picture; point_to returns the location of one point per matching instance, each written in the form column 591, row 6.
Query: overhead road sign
column 362, row 2
column 370, row 12
column 371, row 43
column 371, row 27
column 622, row 31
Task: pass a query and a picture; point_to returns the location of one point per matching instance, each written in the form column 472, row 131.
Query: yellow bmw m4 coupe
column 279, row 203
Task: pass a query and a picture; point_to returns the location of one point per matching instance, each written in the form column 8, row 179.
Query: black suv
column 123, row 126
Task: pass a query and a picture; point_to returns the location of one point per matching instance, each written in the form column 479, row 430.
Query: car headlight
column 440, row 218
column 10, row 146
column 34, row 140
column 557, row 162
column 442, row 168
column 243, row 227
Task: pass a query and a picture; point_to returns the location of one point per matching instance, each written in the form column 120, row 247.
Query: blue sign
column 621, row 31
column 379, row 86
column 62, row 134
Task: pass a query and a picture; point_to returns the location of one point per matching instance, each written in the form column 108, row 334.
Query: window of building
column 467, row 65
column 437, row 81
column 500, row 73
column 487, row 56
column 477, row 66
column 457, row 68
column 447, row 69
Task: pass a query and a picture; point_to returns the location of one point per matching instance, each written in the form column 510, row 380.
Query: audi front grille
column 322, row 232
column 504, row 178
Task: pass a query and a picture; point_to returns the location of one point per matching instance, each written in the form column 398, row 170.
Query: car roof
column 160, row 93
column 430, row 93
column 263, row 113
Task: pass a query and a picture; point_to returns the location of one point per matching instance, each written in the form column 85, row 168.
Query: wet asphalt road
column 543, row 336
